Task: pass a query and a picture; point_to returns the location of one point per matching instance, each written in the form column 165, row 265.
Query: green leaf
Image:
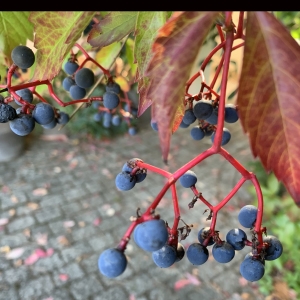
column 15, row 29
column 106, row 55
column 56, row 34
column 112, row 28
column 129, row 56
column 273, row 184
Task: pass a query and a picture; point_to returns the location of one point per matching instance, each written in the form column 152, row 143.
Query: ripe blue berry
column 197, row 254
column 236, row 238
column 252, row 269
column 112, row 262
column 275, row 247
column 247, row 216
column 165, row 256
column 226, row 136
column 151, row 235
column 188, row 179
column 124, row 181
column 223, row 253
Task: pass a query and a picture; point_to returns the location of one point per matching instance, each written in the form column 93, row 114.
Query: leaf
column 40, row 192
column 174, row 52
column 15, row 29
column 106, row 54
column 56, row 34
column 268, row 98
column 147, row 26
column 112, row 28
column 3, row 221
column 15, row 253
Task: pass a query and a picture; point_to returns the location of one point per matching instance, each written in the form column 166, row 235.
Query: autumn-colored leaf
column 112, row 28
column 56, row 33
column 174, row 52
column 268, row 98
column 147, row 26
column 40, row 192
column 15, row 29
column 15, row 253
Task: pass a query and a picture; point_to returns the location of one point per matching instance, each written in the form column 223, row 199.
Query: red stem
column 219, row 132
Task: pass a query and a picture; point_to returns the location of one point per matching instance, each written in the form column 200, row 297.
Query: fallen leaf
column 12, row 212
column 73, row 164
column 4, row 249
column 63, row 277
column 3, row 221
column 54, row 137
column 27, row 232
column 193, row 279
column 181, row 284
column 40, row 192
column 81, row 224
column 14, row 199
column 31, row 259
column 15, row 253
column 42, row 239
column 63, row 240
column 33, row 205
column 97, row 221
column 68, row 224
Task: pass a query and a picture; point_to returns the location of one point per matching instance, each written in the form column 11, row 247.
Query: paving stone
column 75, row 251
column 20, row 224
column 68, row 272
column 35, row 288
column 16, row 275
column 47, row 214
column 117, row 292
column 9, row 293
column 13, row 240
column 47, row 264
column 85, row 232
column 83, row 288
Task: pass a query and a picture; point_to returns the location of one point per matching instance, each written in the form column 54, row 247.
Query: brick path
column 60, row 197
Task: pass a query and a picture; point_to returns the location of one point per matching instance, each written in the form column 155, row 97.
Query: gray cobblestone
column 52, row 200
column 82, row 233
column 117, row 292
column 76, row 251
column 48, row 214
column 47, row 264
column 20, row 224
column 13, row 240
column 71, row 271
column 15, row 275
column 9, row 293
column 34, row 289
column 82, row 289
column 71, row 208
column 101, row 241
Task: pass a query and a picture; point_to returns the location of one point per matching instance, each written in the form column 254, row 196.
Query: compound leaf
column 56, row 34
column 174, row 52
column 268, row 98
column 15, row 29
column 112, row 28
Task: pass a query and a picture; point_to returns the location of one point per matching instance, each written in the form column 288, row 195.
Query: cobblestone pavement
column 60, row 209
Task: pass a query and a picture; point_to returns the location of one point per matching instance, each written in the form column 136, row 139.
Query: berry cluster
column 124, row 111
column 114, row 108
column 153, row 234
column 23, row 119
column 205, row 112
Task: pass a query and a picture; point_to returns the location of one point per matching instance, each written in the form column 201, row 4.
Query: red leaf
column 268, row 98
column 174, row 51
